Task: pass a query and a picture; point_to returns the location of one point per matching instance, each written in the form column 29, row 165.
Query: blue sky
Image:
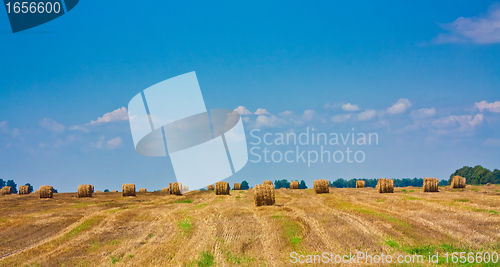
column 424, row 76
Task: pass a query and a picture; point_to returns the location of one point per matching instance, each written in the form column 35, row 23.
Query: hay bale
column 116, row 191
column 142, row 190
column 222, row 188
column 294, row 185
column 488, row 184
column 385, row 185
column 165, row 190
column 85, row 190
column 268, row 183
column 46, row 191
column 360, row 184
column 6, row 190
column 37, row 191
column 210, row 187
column 431, row 185
column 92, row 188
column 264, row 195
column 458, row 182
column 98, row 191
column 128, row 190
column 175, row 189
column 24, row 190
column 321, row 186
column 237, row 186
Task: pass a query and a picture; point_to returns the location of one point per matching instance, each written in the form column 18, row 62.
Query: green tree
column 302, row 185
column 2, row 183
column 244, row 185
column 281, row 184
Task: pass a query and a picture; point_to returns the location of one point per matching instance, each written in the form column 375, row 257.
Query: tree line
column 12, row 184
column 477, row 175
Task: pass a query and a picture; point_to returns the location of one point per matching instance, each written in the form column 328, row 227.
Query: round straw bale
column 116, row 191
column 360, row 184
column 237, row 186
column 431, row 185
column 24, row 189
column 267, row 182
column 46, row 191
column 165, row 190
column 294, row 185
column 85, row 190
column 128, row 190
column 264, row 195
column 222, row 188
column 458, row 182
column 98, row 191
column 92, row 188
column 175, row 189
column 142, row 190
column 210, row 187
column 6, row 190
column 321, row 186
column 385, row 185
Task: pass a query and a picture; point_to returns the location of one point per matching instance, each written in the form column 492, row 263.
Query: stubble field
column 202, row 229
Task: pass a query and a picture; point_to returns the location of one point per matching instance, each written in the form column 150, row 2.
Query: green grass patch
column 242, row 192
column 411, row 198
column 461, row 200
column 114, row 242
column 115, row 260
column 238, row 197
column 94, row 245
column 380, row 200
column 131, row 256
column 236, row 259
column 82, row 227
column 404, row 191
column 292, row 230
column 475, row 189
column 219, row 200
column 483, row 210
column 206, row 259
column 3, row 219
column 199, row 206
column 185, row 226
column 187, row 200
column 392, row 244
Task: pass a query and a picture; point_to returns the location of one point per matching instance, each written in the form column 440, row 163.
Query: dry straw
column 360, row 184
column 431, row 185
column 85, row 190
column 24, row 190
column 98, row 191
column 6, row 190
column 237, row 186
column 116, row 191
column 46, row 191
column 385, row 185
column 321, row 186
column 268, row 183
column 222, row 188
column 294, row 185
column 142, row 190
column 263, row 195
column 210, row 187
column 458, row 182
column 165, row 190
column 128, row 190
column 175, row 189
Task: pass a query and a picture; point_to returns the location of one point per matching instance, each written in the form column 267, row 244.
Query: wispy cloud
column 484, row 29
column 120, row 114
column 484, row 105
column 114, row 143
column 367, row 115
column 350, row 107
column 52, row 125
column 401, row 106
column 242, row 110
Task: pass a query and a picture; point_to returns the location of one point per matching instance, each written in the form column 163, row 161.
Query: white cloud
column 268, row 121
column 401, row 106
column 340, row 118
column 4, row 127
column 349, row 107
column 308, row 114
column 120, row 114
column 51, row 125
column 493, row 107
column 483, row 29
column 114, row 143
column 79, row 128
column 491, row 142
column 261, row 111
column 460, row 123
column 367, row 115
column 423, row 113
column 286, row 113
column 242, row 110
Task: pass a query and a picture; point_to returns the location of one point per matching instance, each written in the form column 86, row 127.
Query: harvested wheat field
column 204, row 229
